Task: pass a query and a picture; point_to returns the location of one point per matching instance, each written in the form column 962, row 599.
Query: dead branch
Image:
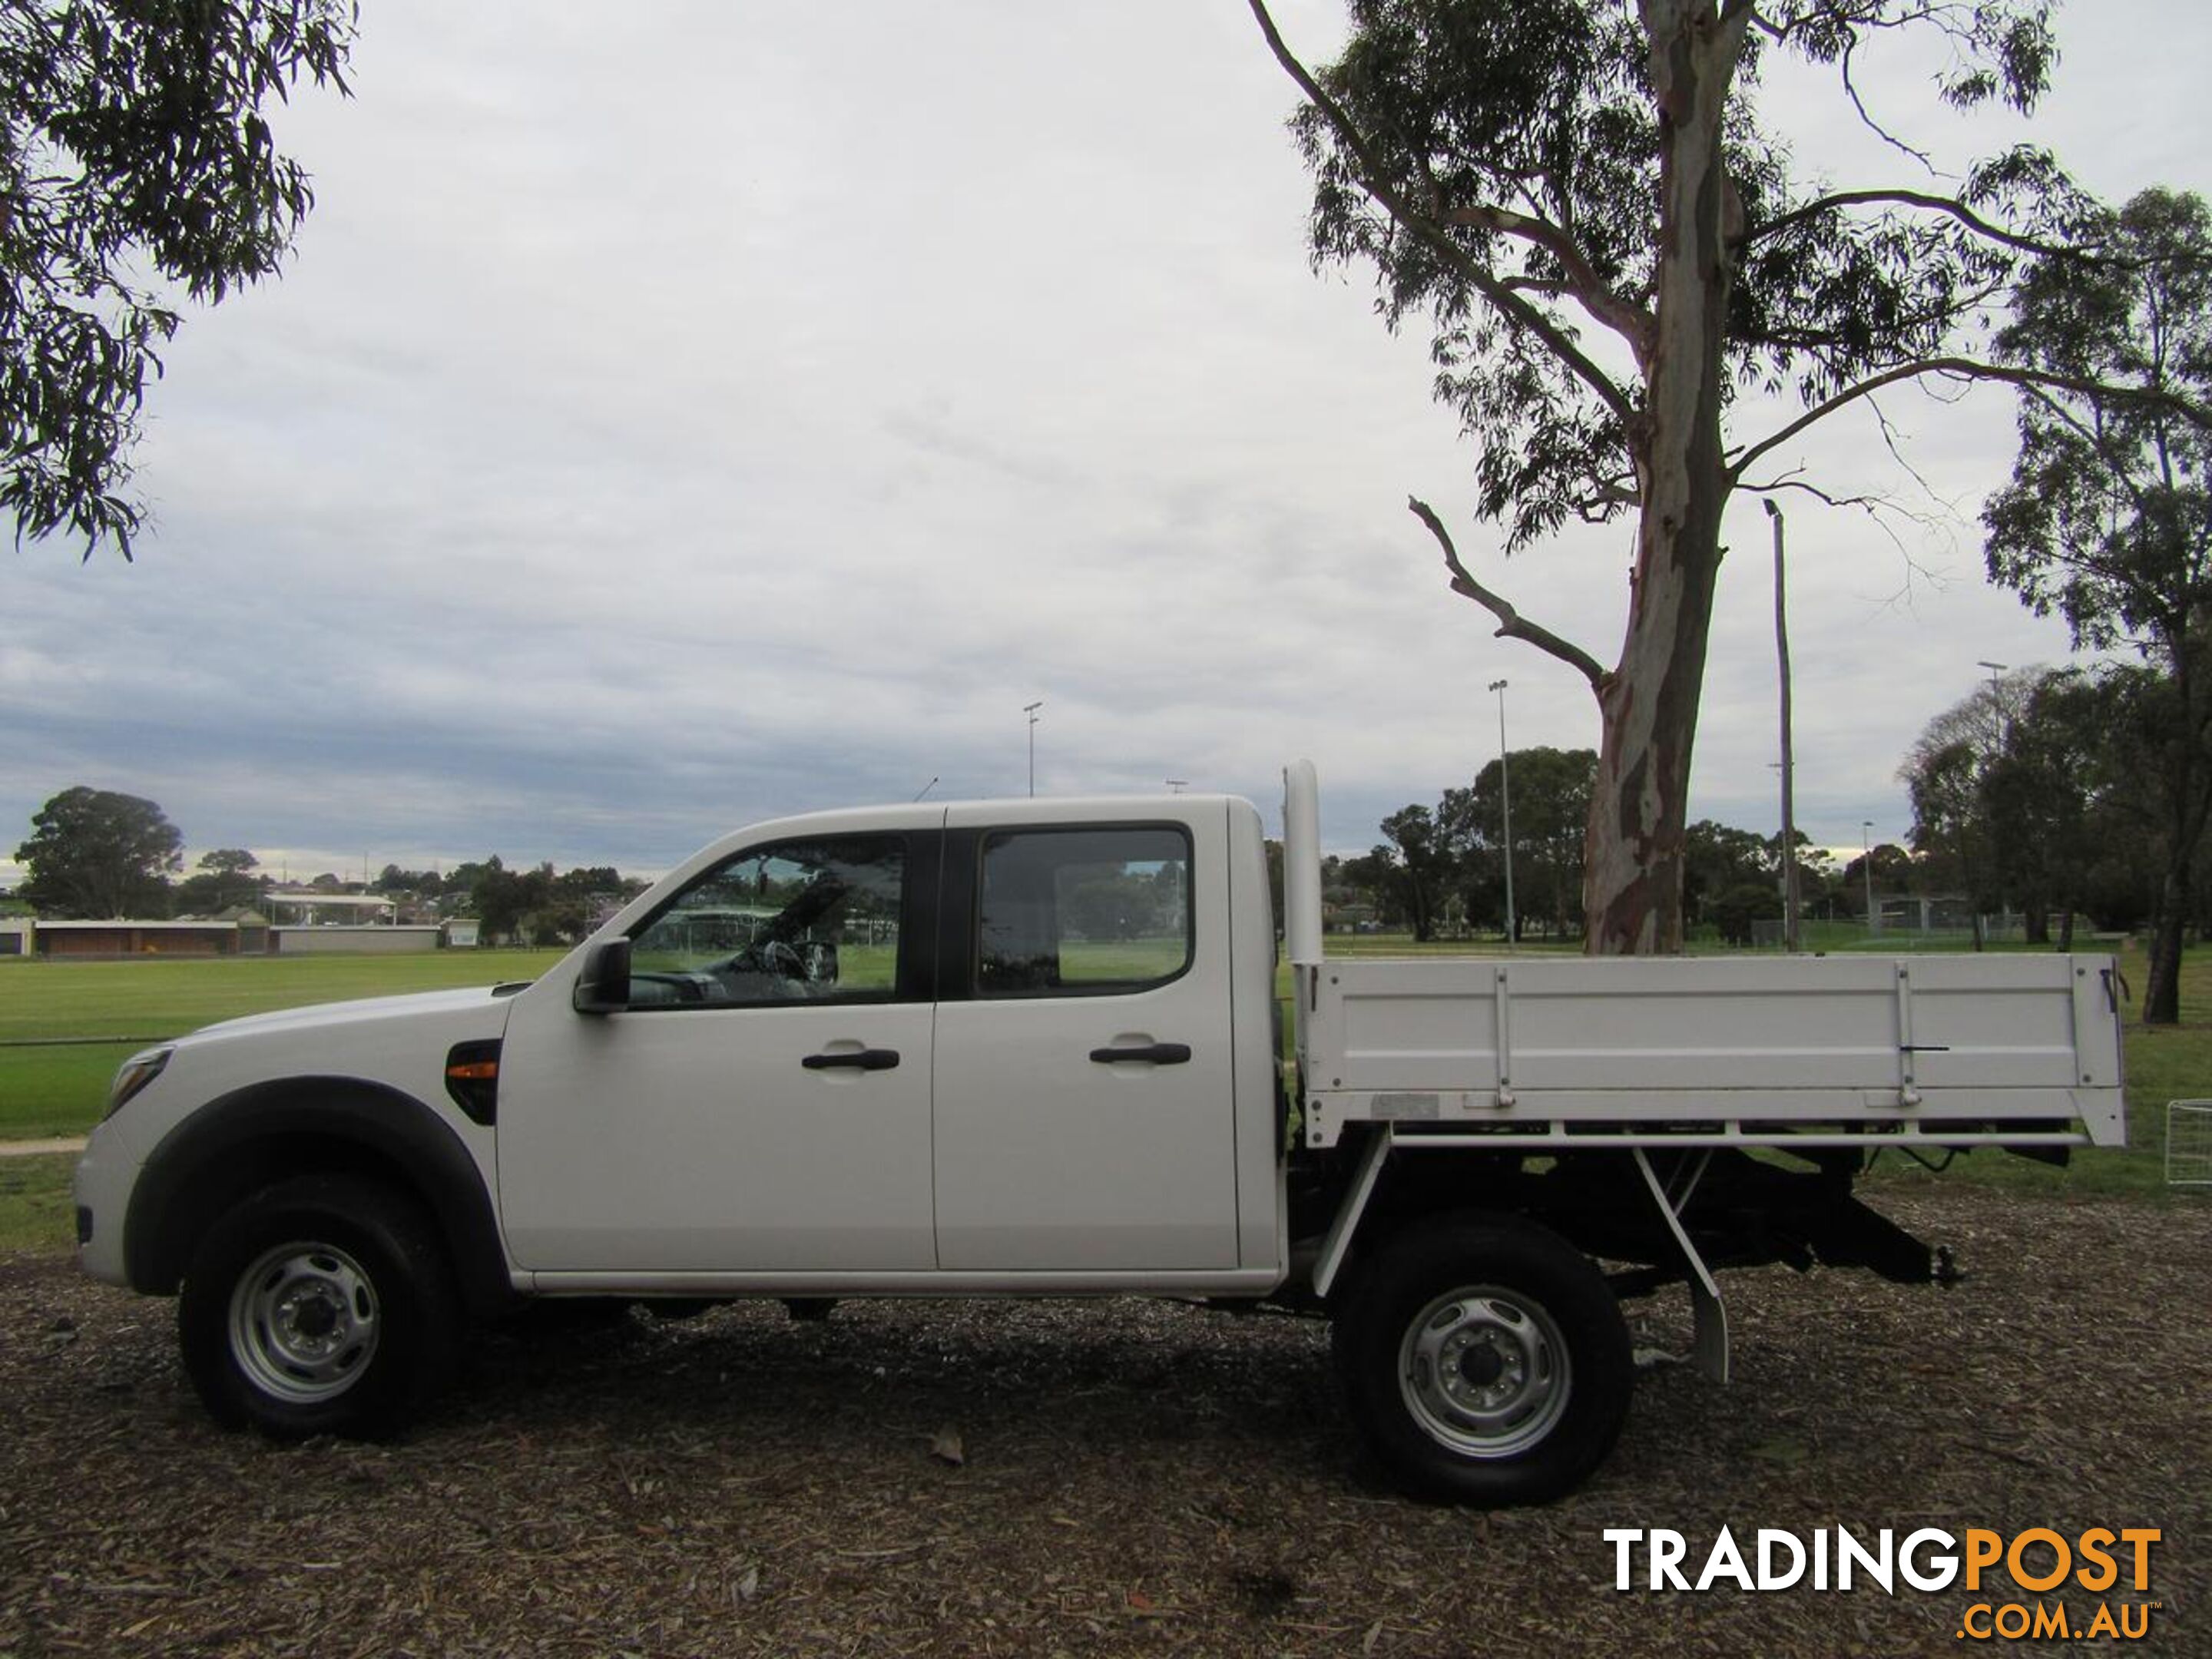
column 1511, row 624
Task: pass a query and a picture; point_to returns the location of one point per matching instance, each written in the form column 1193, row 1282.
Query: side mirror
column 604, row 986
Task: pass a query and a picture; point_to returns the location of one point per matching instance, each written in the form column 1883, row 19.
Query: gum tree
column 1581, row 199
column 135, row 164
column 2107, row 519
column 99, row 853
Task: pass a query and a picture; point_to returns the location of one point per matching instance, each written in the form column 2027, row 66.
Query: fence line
column 74, row 1041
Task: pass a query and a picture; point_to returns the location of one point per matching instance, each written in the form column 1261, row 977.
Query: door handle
column 853, row 1060
column 1157, row 1053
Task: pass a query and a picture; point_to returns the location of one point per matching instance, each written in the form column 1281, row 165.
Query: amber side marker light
column 472, row 1079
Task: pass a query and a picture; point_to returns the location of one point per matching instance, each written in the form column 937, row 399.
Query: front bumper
column 102, row 1188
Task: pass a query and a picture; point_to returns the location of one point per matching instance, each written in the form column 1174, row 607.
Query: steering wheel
column 775, row 956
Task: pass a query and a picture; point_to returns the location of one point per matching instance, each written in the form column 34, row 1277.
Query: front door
column 763, row 1101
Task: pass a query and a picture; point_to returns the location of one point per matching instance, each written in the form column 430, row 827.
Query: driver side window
column 798, row 921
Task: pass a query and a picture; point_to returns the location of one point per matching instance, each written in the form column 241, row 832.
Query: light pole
column 1505, row 806
column 1997, row 699
column 1030, row 709
column 1996, row 749
column 1874, row 916
column 1792, row 940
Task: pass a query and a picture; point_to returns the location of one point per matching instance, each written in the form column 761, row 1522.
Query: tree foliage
column 1550, row 790
column 135, row 161
column 1947, row 775
column 1446, row 865
column 1420, row 866
column 1725, row 866
column 2107, row 519
column 228, row 862
column 222, row 878
column 536, row 906
column 2044, row 792
column 1609, row 248
column 95, row 854
column 1506, row 186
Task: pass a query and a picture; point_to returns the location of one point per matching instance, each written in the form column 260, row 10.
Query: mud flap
column 1710, row 1345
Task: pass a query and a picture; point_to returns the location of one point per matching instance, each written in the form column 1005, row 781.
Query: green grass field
column 48, row 1090
column 36, row 1213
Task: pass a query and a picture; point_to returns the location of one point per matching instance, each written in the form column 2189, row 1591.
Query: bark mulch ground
column 1109, row 1478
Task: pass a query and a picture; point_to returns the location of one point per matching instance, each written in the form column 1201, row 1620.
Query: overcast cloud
column 680, row 414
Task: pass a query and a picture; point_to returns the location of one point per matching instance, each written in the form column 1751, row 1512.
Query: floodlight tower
column 1505, row 806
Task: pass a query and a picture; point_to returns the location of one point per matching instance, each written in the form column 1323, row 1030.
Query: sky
column 680, row 414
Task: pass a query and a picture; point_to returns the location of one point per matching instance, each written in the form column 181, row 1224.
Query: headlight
column 137, row 1072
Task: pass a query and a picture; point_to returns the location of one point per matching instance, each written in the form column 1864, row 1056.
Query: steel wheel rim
column 304, row 1322
column 1483, row 1371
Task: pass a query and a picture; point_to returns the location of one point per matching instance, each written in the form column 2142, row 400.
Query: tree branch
column 1868, row 503
column 1516, row 308
column 1781, row 33
column 1968, row 369
column 1631, row 322
column 1851, row 91
column 1511, row 625
column 1935, row 315
column 1944, row 205
column 2097, row 438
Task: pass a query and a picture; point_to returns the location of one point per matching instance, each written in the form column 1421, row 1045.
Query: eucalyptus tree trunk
column 1648, row 705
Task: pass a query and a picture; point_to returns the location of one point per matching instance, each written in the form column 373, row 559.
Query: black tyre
column 321, row 1305
column 1485, row 1361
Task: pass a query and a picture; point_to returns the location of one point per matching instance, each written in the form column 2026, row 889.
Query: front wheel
column 1485, row 1361
column 321, row 1305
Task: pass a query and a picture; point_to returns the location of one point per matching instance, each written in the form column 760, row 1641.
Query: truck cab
column 973, row 1046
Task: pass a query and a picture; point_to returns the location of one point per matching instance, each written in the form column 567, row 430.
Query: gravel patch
column 1093, row 1478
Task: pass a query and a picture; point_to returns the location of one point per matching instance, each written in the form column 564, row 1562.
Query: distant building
column 305, row 907
column 124, row 937
column 235, row 933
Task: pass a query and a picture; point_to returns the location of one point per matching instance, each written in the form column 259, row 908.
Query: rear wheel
column 1485, row 1361
column 321, row 1305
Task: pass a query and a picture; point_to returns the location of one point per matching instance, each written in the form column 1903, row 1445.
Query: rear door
column 1084, row 1084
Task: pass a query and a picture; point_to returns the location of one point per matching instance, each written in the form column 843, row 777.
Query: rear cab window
column 1083, row 911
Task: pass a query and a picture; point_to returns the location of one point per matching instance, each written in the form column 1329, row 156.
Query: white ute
column 1030, row 1048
